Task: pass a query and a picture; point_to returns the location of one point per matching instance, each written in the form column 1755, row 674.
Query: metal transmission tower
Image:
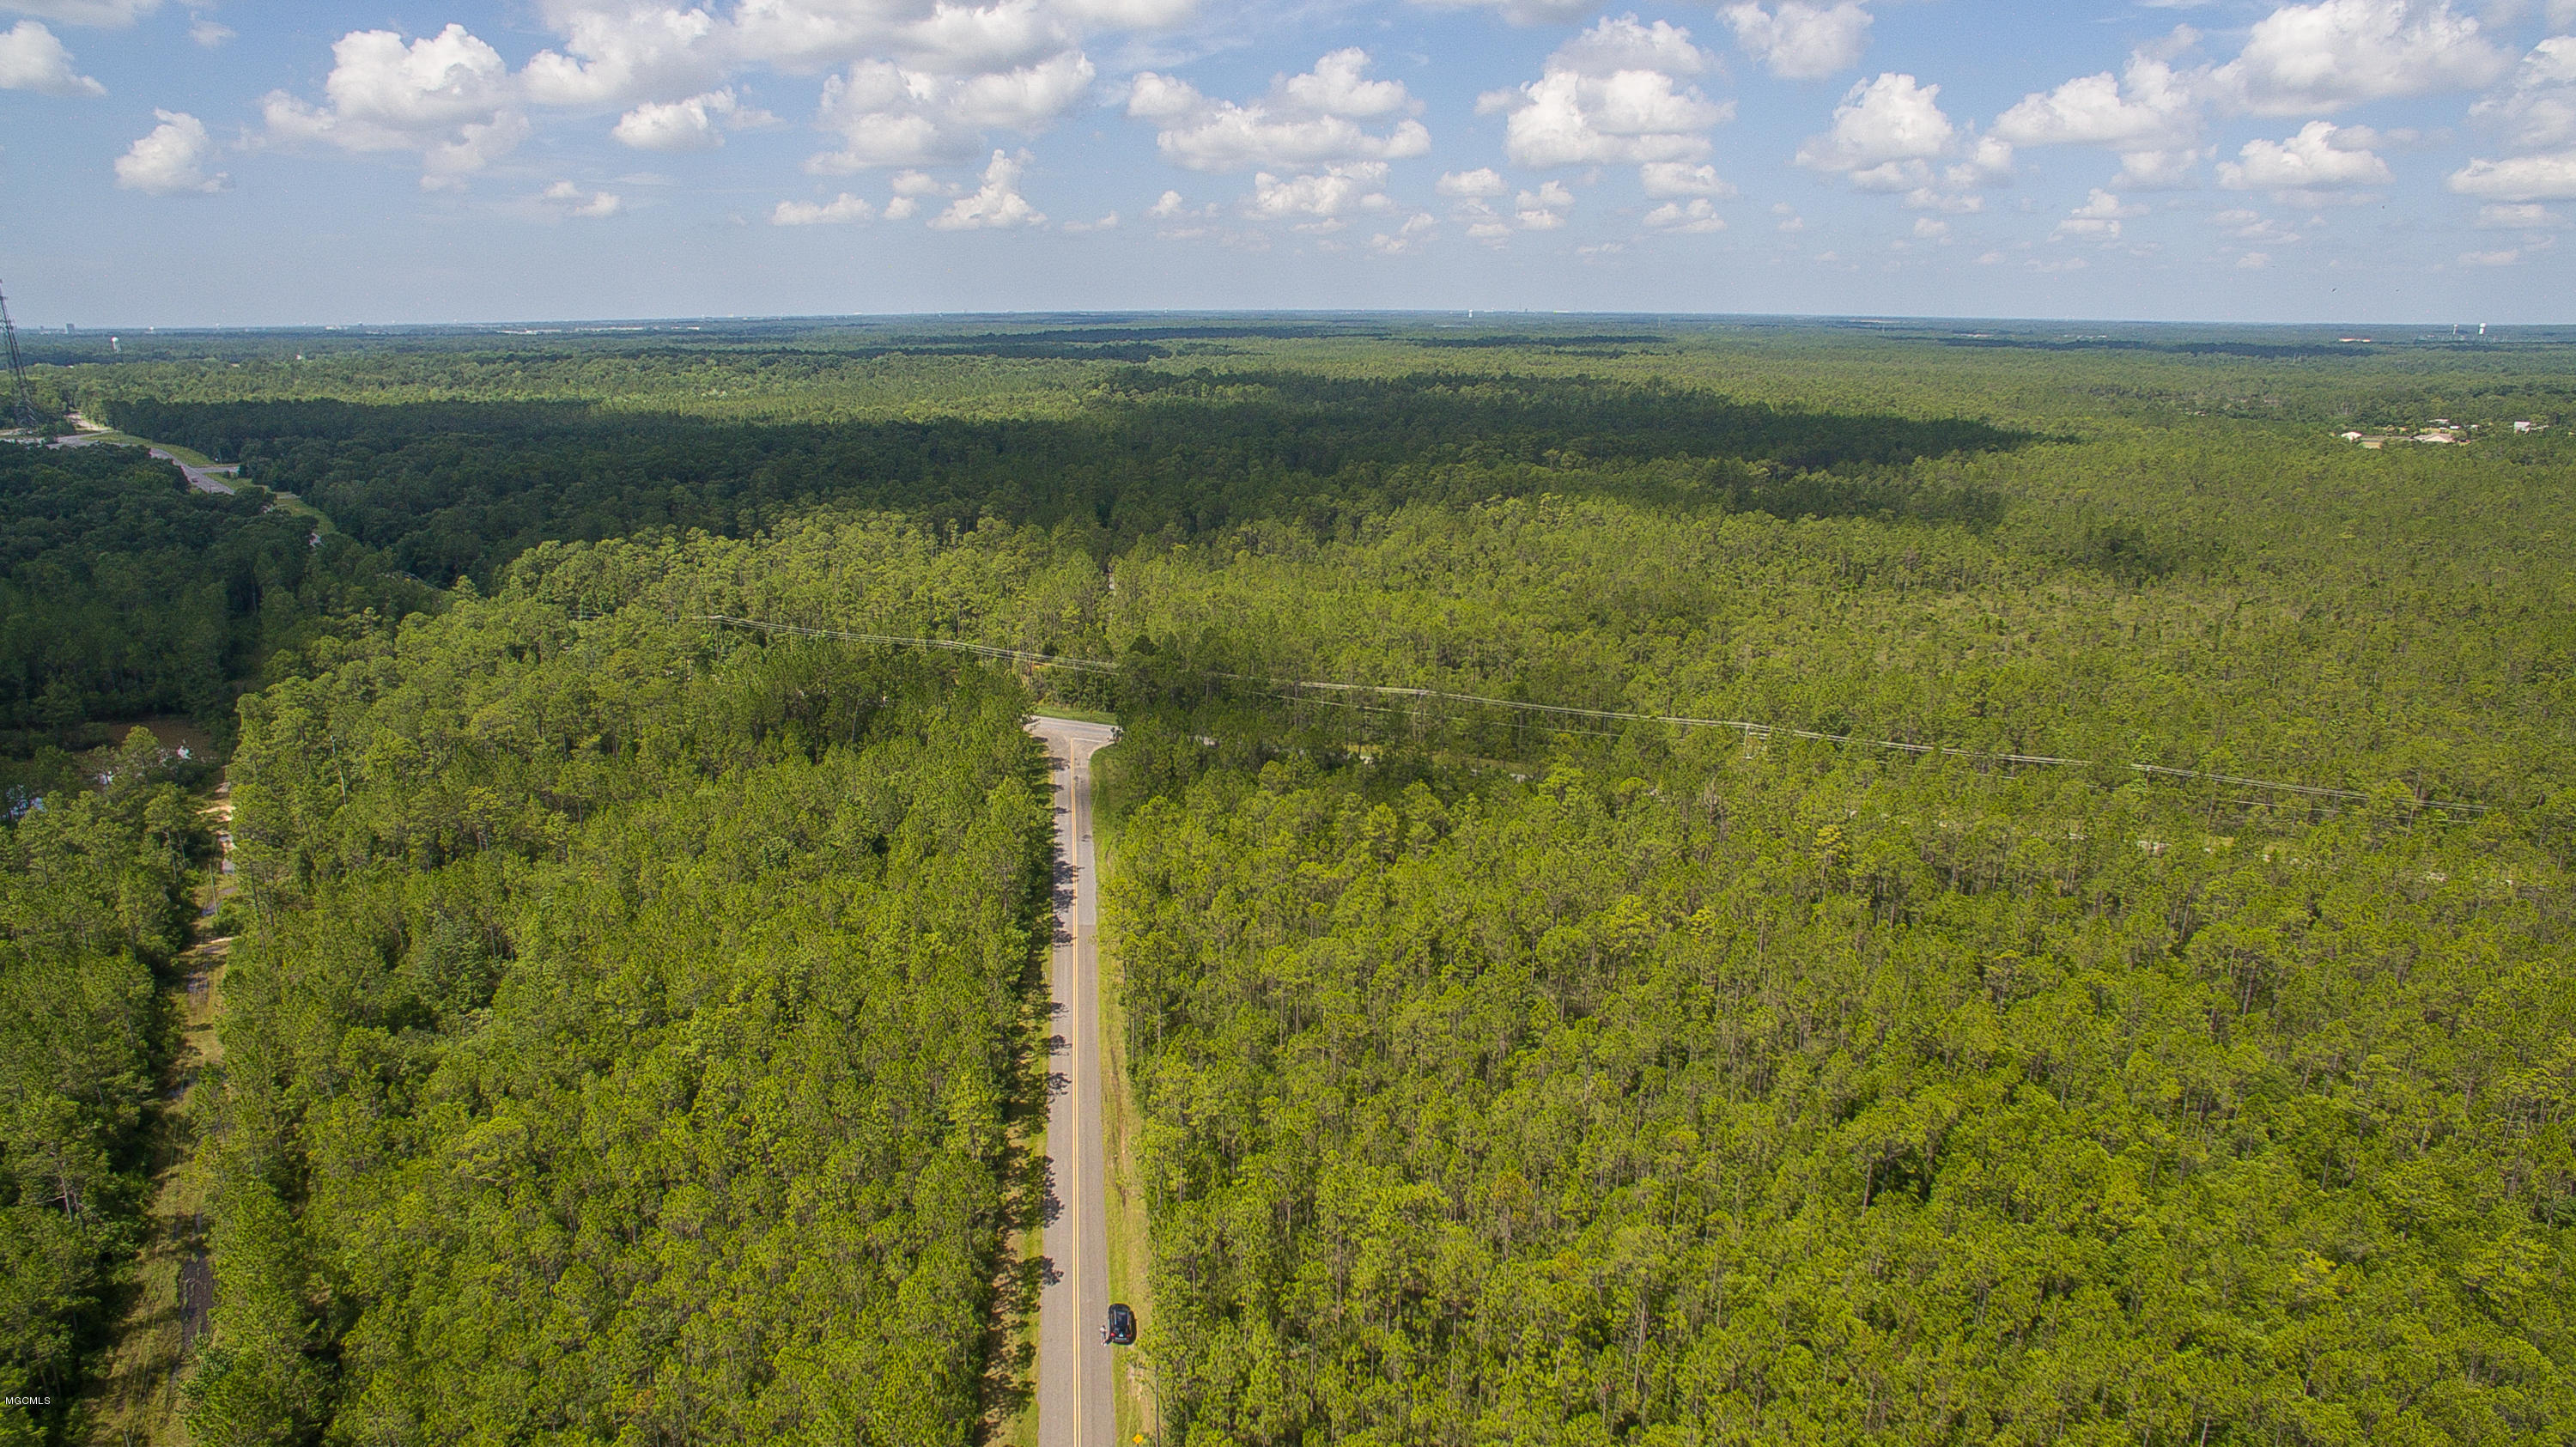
column 22, row 406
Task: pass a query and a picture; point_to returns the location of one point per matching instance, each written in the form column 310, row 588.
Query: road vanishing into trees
column 203, row 479
column 1074, row 1382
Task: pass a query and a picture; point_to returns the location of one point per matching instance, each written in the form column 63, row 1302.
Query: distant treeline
column 1516, row 339
column 2262, row 351
column 454, row 488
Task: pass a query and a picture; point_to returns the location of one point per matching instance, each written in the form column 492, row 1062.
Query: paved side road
column 1075, row 1407
column 203, row 479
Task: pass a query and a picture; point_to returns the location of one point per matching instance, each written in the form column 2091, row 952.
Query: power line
column 980, row 650
column 1749, row 729
column 23, row 403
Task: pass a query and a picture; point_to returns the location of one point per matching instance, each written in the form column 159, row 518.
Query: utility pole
column 22, row 406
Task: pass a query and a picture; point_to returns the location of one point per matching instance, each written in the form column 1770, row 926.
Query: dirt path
column 135, row 1402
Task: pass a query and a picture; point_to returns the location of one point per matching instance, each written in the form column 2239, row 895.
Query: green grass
column 1130, row 1242
column 134, row 1401
column 289, row 503
column 188, row 455
column 1078, row 715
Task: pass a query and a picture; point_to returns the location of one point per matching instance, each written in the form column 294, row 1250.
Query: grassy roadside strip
column 1130, row 1241
column 1049, row 708
column 285, row 502
column 109, row 435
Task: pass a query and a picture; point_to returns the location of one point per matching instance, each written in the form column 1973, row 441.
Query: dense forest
column 1766, row 1095
column 123, row 595
column 625, row 1045
column 1670, row 883
column 453, row 488
column 94, row 905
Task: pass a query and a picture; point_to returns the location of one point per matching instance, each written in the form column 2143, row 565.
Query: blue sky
column 220, row 162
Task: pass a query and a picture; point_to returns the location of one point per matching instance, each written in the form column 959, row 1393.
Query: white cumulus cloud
column 1882, row 124
column 2321, row 157
column 566, row 199
column 1321, row 200
column 32, row 58
column 1418, row 230
column 2300, row 59
column 1680, row 178
column 2537, row 115
column 1132, row 14
column 1694, row 216
column 2548, row 177
column 2161, row 170
column 1483, row 181
column 1543, row 209
column 1889, row 133
column 2308, row 59
column 449, row 97
column 1477, row 192
column 2147, row 107
column 1799, row 40
column 2098, row 218
column 2150, row 113
column 985, row 40
column 172, row 159
column 2254, row 226
column 996, row 205
column 891, row 115
column 109, row 13
column 2107, row 206
column 1525, row 12
column 1339, row 86
column 912, row 82
column 2531, row 246
column 1618, row 93
column 1322, row 118
column 621, row 55
column 692, row 124
column 937, row 36
column 909, row 82
column 2527, row 217
column 841, row 210
column 1884, row 135
column 2539, row 112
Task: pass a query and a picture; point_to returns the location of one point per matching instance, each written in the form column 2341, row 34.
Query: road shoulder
column 1130, row 1231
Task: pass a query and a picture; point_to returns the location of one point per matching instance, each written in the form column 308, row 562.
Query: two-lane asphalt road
column 203, row 479
column 1074, row 1383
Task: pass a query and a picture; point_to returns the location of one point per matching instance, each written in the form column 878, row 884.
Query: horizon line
column 39, row 331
